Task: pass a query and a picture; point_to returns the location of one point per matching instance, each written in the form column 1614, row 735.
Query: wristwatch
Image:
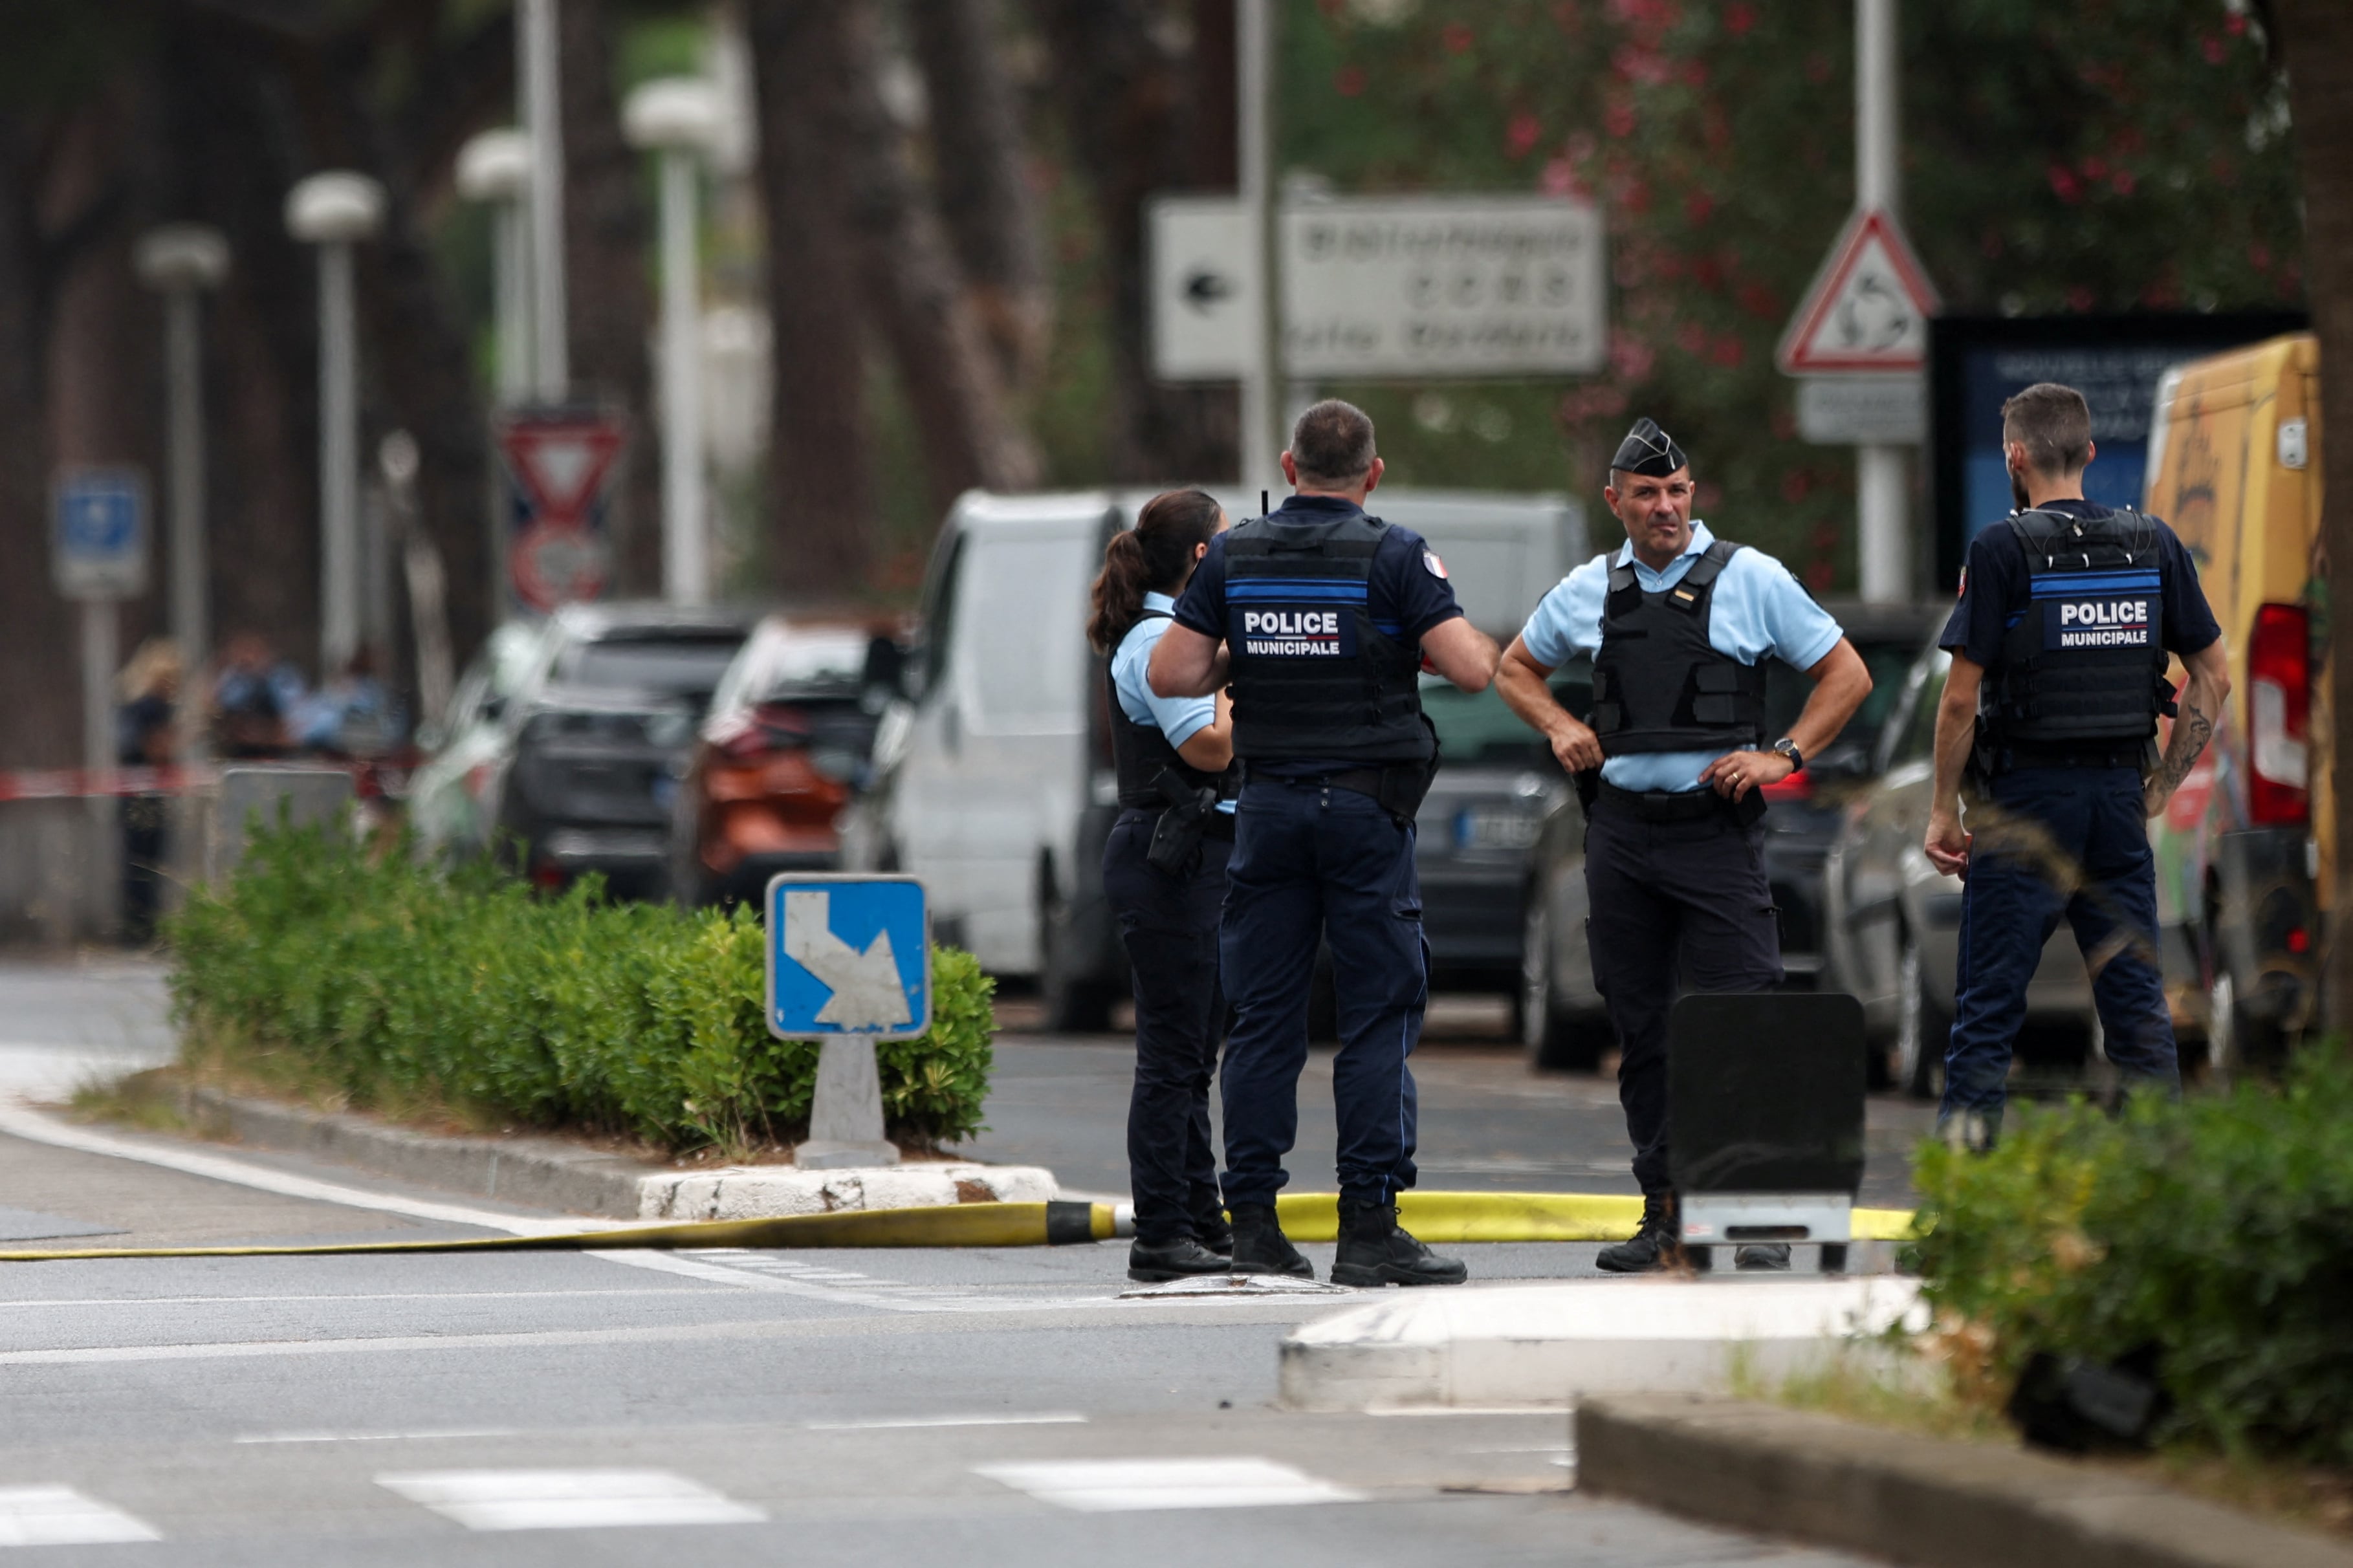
column 1789, row 748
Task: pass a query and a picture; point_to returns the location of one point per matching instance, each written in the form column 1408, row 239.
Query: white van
column 988, row 775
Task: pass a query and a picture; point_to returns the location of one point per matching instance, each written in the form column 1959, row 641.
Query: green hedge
column 2217, row 1230
column 401, row 983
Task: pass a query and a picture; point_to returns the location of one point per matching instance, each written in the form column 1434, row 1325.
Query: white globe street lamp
column 494, row 168
column 335, row 211
column 678, row 118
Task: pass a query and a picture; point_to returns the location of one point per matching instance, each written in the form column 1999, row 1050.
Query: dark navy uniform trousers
column 1313, row 861
column 1169, row 925
column 1670, row 902
column 2058, row 841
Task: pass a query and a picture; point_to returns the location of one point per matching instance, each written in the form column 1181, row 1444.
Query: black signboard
column 1975, row 363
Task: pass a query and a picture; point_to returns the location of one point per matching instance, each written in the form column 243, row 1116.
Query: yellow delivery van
column 2244, row 849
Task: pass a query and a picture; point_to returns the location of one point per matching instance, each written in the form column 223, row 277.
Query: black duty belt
column 1683, row 805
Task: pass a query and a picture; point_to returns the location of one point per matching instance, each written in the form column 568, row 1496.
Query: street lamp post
column 181, row 261
column 1883, row 552
column 495, row 168
column 678, row 118
column 333, row 211
column 535, row 40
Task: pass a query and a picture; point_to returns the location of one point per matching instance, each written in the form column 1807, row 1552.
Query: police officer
column 2067, row 613
column 1679, row 624
column 1321, row 616
column 1165, row 873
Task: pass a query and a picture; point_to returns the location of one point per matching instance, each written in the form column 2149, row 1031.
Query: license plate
column 1495, row 828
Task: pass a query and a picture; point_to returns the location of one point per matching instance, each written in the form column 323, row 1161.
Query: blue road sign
column 849, row 955
column 100, row 536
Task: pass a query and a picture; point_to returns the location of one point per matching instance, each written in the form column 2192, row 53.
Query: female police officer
column 1165, row 872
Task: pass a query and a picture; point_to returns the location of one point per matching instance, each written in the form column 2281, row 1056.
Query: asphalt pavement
column 989, row 1405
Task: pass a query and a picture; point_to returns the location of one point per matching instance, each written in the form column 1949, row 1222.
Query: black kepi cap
column 1647, row 450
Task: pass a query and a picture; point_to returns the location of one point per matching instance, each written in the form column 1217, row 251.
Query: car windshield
column 672, row 666
column 1477, row 728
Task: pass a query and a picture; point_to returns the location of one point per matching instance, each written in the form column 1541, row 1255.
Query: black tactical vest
column 1141, row 752
column 1314, row 675
column 1658, row 685
column 2082, row 674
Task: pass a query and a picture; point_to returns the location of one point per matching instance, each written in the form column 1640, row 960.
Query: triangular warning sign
column 1868, row 309
column 561, row 464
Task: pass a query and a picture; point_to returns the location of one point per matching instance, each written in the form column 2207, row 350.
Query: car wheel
column 1922, row 1029
column 1075, row 1002
column 1557, row 1040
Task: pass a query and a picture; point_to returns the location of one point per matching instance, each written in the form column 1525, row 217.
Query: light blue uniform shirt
column 1758, row 611
column 1178, row 717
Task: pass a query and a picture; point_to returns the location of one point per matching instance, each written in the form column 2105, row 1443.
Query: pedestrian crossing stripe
column 60, row 1516
column 568, row 1499
column 1121, row 1486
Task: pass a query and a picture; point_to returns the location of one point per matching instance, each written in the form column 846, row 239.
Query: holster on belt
column 1176, row 848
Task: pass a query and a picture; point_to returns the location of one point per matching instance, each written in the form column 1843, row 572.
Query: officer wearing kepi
column 1679, row 624
column 1321, row 618
column 2067, row 613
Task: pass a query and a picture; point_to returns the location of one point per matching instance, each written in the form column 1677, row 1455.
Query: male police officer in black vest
column 1679, row 624
column 1325, row 617
column 2067, row 613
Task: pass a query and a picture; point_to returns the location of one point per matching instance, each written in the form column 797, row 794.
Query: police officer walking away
column 2067, row 613
column 1679, row 624
column 1165, row 873
column 1321, row 618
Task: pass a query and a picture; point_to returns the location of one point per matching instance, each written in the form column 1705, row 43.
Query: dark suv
column 596, row 738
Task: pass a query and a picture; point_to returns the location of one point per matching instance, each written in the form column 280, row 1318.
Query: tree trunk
column 912, row 289
column 978, row 159
column 2318, row 36
column 821, row 466
column 1127, row 103
column 606, row 235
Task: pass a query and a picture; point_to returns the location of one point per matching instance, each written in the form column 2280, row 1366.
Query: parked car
column 993, row 779
column 578, row 771
column 1562, row 1021
column 2242, row 879
column 1893, row 922
column 786, row 744
column 447, row 791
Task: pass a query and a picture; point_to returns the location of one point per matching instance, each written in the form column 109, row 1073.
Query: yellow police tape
column 1441, row 1218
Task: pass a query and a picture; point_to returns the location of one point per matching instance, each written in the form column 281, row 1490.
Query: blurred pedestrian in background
column 148, row 695
column 1165, row 872
column 1323, row 618
column 351, row 718
column 251, row 698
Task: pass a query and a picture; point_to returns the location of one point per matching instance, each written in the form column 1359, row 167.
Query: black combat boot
column 1655, row 1245
column 1211, row 1229
column 1260, row 1247
column 1376, row 1250
column 1152, row 1262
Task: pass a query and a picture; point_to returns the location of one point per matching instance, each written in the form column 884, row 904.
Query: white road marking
column 568, row 1499
column 60, row 1516
column 1115, row 1486
column 378, row 1436
column 373, row 1296
column 1049, row 1418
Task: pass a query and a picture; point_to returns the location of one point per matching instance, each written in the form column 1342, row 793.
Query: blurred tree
column 1143, row 113
column 2316, row 38
column 820, row 460
column 980, row 169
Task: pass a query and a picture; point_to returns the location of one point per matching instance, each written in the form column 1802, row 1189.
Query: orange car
column 787, row 743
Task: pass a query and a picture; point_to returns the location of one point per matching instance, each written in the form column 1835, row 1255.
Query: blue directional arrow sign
column 849, row 955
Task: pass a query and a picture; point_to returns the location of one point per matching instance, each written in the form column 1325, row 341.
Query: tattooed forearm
column 2191, row 730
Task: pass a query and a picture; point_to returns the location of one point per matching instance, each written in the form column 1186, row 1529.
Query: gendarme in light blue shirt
column 1758, row 611
column 1178, row 717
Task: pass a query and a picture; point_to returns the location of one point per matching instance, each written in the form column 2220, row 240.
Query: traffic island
column 1908, row 1498
column 1552, row 1345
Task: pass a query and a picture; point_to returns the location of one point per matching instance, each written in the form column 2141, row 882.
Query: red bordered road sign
column 553, row 566
column 1868, row 309
column 561, row 461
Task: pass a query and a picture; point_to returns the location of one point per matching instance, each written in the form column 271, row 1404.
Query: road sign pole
column 846, row 1109
column 1882, row 538
column 686, row 572
column 1254, row 71
column 339, row 463
column 535, row 40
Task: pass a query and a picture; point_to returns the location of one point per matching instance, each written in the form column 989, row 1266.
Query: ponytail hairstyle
column 1155, row 555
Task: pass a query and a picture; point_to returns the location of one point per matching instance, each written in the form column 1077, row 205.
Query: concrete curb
column 1909, row 1499
column 549, row 1173
column 1553, row 1344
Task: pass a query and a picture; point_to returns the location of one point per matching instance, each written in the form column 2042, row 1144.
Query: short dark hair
column 1333, row 444
column 2053, row 424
